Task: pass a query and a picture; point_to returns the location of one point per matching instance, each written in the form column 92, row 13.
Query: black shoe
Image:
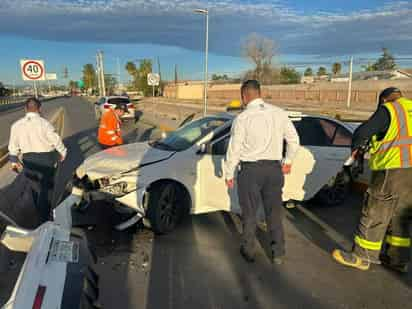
column 402, row 268
column 248, row 258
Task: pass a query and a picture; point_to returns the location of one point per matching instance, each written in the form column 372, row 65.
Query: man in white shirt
column 36, row 141
column 255, row 156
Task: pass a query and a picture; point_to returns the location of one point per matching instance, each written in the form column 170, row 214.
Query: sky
column 69, row 32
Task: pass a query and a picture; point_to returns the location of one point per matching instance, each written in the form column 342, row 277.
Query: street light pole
column 350, row 83
column 206, row 13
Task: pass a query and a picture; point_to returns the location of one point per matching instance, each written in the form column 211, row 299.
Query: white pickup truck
column 58, row 269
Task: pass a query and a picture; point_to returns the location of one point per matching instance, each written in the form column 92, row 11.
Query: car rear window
column 119, row 101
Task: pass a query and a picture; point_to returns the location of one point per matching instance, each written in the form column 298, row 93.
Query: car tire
column 166, row 207
column 335, row 194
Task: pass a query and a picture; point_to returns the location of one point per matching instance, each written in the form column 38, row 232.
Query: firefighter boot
column 350, row 259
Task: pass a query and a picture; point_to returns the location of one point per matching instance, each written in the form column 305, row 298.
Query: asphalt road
column 198, row 265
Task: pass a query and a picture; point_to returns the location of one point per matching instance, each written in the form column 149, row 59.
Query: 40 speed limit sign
column 32, row 69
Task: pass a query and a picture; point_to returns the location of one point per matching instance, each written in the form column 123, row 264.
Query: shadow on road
column 199, row 266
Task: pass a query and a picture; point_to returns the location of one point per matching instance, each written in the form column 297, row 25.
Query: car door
column 214, row 194
column 325, row 146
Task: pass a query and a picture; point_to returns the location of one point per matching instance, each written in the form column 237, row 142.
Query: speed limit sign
column 32, row 69
column 153, row 79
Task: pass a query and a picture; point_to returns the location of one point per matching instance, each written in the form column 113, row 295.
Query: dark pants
column 260, row 184
column 40, row 169
column 384, row 229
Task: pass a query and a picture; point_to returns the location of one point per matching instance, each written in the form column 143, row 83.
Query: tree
column 139, row 75
column 289, row 76
column 308, row 72
column 261, row 51
column 72, row 85
column 89, row 76
column 368, row 67
column 220, row 77
column 110, row 83
column 131, row 69
column 4, row 92
column 322, row 71
column 336, row 68
column 385, row 62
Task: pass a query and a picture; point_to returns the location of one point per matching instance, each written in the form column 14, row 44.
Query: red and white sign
column 32, row 69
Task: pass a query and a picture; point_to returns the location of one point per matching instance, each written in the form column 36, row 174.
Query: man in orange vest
column 109, row 134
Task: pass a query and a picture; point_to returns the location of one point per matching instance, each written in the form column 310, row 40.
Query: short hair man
column 109, row 133
column 35, row 139
column 255, row 157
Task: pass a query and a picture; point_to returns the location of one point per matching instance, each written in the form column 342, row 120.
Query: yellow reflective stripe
column 398, row 241
column 367, row 244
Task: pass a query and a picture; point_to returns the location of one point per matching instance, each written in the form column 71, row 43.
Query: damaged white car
column 182, row 173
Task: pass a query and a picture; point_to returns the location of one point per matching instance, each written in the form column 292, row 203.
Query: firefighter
column 383, row 235
column 109, row 134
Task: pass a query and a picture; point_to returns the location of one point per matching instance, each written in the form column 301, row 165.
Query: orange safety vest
column 109, row 130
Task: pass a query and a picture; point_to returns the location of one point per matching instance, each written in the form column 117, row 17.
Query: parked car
column 106, row 103
column 58, row 269
column 162, row 180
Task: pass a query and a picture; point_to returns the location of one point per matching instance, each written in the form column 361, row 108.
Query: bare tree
column 261, row 51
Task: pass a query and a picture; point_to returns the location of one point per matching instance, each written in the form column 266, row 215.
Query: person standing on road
column 383, row 231
column 255, row 151
column 110, row 134
column 36, row 140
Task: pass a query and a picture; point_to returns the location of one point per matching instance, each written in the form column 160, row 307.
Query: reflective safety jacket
column 109, row 130
column 395, row 149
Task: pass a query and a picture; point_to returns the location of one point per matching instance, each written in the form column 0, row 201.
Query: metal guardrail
column 12, row 100
column 57, row 120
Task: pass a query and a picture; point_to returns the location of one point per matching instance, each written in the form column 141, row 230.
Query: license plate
column 64, row 251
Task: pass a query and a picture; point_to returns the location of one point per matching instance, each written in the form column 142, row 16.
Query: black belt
column 260, row 162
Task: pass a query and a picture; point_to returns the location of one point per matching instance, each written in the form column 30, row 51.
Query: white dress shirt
column 35, row 134
column 258, row 133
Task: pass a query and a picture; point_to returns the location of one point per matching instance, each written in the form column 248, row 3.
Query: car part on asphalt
column 58, row 270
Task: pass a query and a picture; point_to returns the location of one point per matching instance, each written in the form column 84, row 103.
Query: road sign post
column 32, row 70
column 153, row 79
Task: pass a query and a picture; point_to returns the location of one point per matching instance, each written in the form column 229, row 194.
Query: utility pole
column 118, row 74
column 99, row 84
column 350, row 82
column 205, row 12
column 100, row 73
column 160, row 76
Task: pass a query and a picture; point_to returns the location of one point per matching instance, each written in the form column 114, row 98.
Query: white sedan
column 106, row 103
column 182, row 173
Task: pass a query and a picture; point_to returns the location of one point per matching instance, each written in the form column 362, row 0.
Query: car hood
column 120, row 159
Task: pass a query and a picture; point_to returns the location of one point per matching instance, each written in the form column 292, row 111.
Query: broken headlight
column 116, row 189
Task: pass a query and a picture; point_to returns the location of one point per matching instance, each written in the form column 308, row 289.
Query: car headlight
column 119, row 188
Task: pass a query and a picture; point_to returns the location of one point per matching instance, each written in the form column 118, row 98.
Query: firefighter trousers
column 384, row 231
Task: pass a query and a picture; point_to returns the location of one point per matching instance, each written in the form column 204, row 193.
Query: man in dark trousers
column 255, row 157
column 383, row 233
column 36, row 141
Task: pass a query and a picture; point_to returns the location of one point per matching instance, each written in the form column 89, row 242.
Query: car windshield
column 185, row 137
column 119, row 101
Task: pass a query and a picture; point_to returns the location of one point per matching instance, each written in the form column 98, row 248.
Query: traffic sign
column 153, row 79
column 51, row 76
column 80, row 83
column 32, row 69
